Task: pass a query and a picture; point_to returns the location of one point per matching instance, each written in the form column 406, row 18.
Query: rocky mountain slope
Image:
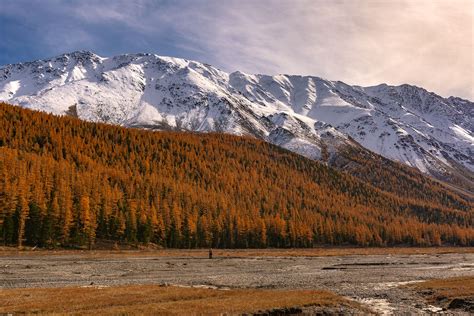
column 312, row 116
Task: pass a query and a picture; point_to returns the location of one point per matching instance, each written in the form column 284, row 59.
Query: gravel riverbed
column 374, row 280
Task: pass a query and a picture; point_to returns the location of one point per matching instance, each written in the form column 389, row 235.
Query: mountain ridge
column 309, row 115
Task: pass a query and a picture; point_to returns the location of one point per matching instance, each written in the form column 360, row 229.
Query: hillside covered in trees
column 65, row 182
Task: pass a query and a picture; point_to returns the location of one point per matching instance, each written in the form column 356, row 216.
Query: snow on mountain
column 305, row 114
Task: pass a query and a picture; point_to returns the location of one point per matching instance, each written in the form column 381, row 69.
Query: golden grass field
column 154, row 299
column 445, row 290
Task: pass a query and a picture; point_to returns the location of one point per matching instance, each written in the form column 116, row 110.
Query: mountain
column 311, row 116
column 65, row 181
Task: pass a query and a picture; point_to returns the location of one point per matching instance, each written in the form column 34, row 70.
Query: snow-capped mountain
column 308, row 115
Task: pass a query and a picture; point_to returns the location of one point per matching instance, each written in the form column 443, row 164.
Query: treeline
column 64, row 182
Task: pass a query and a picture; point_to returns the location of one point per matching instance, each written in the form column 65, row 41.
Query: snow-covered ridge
column 309, row 115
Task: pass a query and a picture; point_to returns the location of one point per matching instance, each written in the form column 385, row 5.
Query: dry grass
column 452, row 293
column 242, row 253
column 446, row 289
column 153, row 299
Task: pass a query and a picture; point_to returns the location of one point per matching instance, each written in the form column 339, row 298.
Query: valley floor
column 385, row 280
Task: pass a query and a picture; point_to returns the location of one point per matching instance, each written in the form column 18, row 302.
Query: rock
column 462, row 303
column 280, row 311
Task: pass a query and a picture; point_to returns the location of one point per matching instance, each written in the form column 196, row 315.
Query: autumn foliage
column 68, row 182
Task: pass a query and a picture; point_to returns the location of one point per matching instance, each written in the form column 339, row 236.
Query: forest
column 67, row 183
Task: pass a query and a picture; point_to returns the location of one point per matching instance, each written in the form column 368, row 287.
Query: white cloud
column 424, row 42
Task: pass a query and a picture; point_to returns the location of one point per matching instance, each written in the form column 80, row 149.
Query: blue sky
column 424, row 42
column 44, row 28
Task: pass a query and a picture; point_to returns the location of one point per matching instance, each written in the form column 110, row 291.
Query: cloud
column 425, row 42
column 39, row 29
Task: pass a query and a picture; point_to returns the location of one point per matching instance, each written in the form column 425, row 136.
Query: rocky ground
column 374, row 280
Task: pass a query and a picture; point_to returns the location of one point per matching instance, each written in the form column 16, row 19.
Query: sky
column 428, row 43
